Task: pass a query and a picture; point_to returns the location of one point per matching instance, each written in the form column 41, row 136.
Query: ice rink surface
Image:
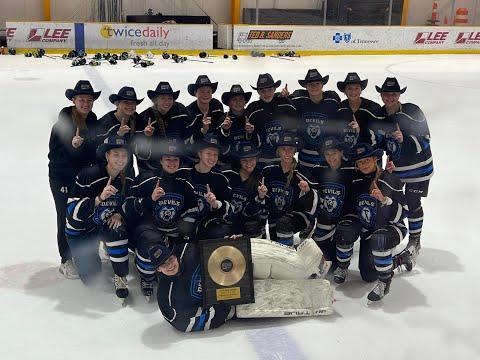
column 430, row 313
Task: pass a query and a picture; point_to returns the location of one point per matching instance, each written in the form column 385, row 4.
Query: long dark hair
column 254, row 178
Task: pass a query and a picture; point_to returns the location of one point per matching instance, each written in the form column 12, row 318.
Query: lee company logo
column 438, row 37
column 48, row 35
column 468, row 38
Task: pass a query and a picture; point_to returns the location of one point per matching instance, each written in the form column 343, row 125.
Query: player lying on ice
column 284, row 294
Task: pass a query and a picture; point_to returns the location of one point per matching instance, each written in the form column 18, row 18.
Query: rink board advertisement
column 51, row 35
column 351, row 39
column 148, row 36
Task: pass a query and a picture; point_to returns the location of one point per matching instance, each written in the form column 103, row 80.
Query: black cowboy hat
column 332, row 143
column 202, row 80
column 159, row 254
column 208, row 141
column 83, row 87
column 125, row 93
column 312, row 76
column 352, row 78
column 163, row 88
column 171, row 147
column 245, row 149
column 265, row 81
column 390, row 85
column 287, row 138
column 363, row 150
column 235, row 90
column 111, row 142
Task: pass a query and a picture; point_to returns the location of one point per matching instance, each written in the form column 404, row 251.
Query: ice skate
column 403, row 260
column 68, row 270
column 379, row 291
column 339, row 275
column 121, row 289
column 147, row 289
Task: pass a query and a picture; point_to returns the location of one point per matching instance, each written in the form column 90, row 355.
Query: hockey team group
column 305, row 162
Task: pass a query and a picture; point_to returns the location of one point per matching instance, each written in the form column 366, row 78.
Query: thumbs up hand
column 108, row 190
column 398, row 135
column 158, row 192
column 149, row 129
column 77, row 140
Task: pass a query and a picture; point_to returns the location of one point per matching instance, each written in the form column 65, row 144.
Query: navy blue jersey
column 215, row 111
column 370, row 212
column 172, row 125
column 82, row 214
column 179, row 201
column 333, row 187
column 180, row 296
column 219, row 186
column 282, row 198
column 65, row 161
column 314, row 120
column 368, row 111
column 270, row 119
column 245, row 201
column 414, row 162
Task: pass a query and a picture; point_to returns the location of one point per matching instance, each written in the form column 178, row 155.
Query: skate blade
column 373, row 303
column 147, row 298
column 122, row 301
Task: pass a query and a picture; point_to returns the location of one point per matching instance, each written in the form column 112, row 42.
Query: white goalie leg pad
column 289, row 298
column 272, row 260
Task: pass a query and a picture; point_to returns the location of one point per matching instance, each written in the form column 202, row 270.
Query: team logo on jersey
column 273, row 129
column 350, row 139
column 393, row 148
column 237, row 206
column 333, row 198
column 314, row 130
column 106, row 209
column 272, row 139
column 367, row 210
column 196, row 290
column 167, row 209
column 282, row 197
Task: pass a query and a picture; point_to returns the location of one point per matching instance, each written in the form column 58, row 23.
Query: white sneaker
column 68, row 270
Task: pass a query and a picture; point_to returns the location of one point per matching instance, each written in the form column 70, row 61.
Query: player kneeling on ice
column 180, row 290
column 94, row 213
column 375, row 210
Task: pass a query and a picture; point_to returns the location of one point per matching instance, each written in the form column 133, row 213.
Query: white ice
column 430, row 313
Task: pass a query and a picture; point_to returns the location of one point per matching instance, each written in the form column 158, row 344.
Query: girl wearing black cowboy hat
column 164, row 208
column 270, row 115
column 94, row 212
column 376, row 209
column 72, row 146
column 334, row 182
column 292, row 201
column 316, row 108
column 166, row 118
column 410, row 153
column 206, row 112
column 213, row 189
column 357, row 110
column 236, row 126
column 123, row 120
column 248, row 191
